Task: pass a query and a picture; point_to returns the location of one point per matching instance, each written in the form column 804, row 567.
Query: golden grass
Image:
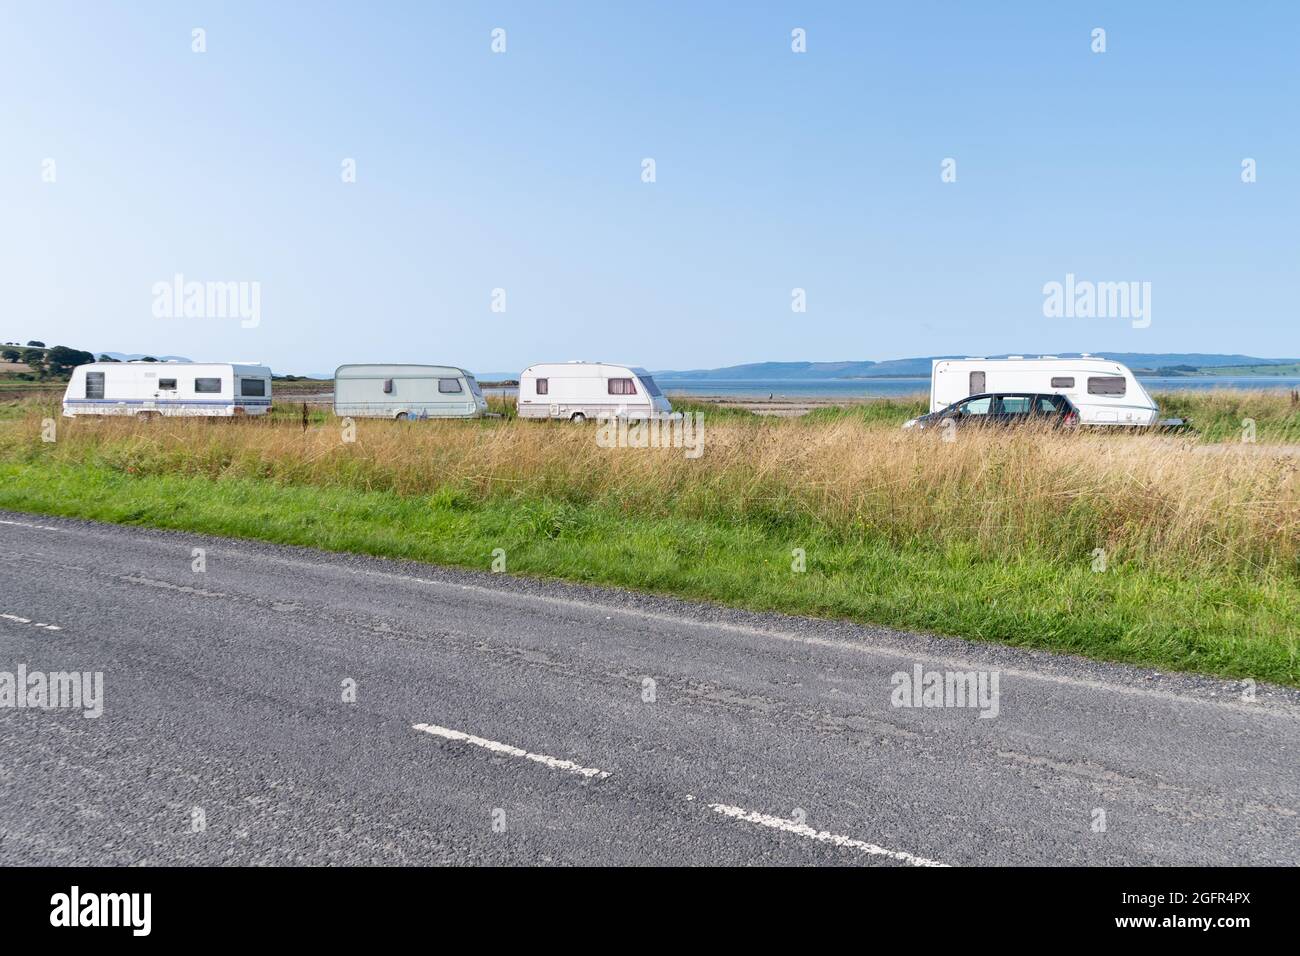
column 1162, row 502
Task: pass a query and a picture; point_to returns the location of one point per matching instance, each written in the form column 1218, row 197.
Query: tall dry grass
column 1163, row 502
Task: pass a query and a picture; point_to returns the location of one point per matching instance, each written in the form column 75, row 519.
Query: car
column 1004, row 409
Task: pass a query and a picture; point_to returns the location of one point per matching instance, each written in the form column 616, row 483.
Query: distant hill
column 910, row 367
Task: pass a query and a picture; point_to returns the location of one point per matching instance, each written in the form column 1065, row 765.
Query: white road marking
column 38, row 527
column 735, row 813
column 27, row 620
column 555, row 763
column 821, row 836
column 150, row 582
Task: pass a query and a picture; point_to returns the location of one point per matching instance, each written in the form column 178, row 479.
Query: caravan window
column 650, row 386
column 543, row 386
column 166, row 384
column 388, row 386
column 1107, row 385
column 252, row 386
column 94, row 384
column 449, row 385
column 621, row 386
column 976, row 383
column 1063, row 382
column 208, row 385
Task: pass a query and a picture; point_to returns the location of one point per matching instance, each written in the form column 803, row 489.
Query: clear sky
column 522, row 171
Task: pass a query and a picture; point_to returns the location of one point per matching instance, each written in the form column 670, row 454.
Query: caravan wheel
column 578, row 418
column 400, row 417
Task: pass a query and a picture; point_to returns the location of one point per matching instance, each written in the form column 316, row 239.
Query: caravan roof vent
column 1015, row 356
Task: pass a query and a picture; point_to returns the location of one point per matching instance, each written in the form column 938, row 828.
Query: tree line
column 56, row 362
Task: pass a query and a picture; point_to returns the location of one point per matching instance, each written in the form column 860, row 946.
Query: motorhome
column 168, row 388
column 407, row 392
column 577, row 391
column 1105, row 392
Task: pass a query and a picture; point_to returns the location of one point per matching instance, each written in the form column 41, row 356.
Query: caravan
column 1104, row 392
column 407, row 391
column 577, row 391
column 168, row 388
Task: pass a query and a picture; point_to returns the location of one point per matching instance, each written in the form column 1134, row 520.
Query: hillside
column 920, row 366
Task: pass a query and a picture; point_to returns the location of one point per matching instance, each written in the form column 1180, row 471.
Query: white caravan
column 1104, row 392
column 580, row 390
column 407, row 391
column 168, row 388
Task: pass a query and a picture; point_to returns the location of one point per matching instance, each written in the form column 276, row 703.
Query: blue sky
column 774, row 170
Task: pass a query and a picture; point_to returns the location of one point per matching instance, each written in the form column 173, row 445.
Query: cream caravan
column 1104, row 392
column 577, row 391
column 168, row 388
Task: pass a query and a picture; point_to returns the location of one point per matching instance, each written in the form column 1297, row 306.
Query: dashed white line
column 167, row 585
column 735, row 813
column 821, row 836
column 555, row 763
column 27, row 620
column 38, row 527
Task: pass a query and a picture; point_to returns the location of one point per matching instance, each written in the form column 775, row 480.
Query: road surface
column 508, row 721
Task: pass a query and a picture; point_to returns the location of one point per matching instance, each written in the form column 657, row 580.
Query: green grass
column 1221, row 624
column 1220, row 415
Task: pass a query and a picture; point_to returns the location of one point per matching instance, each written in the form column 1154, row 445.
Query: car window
column 1013, row 405
column 1049, row 404
column 976, row 406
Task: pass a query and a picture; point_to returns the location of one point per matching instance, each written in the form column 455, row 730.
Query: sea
column 893, row 387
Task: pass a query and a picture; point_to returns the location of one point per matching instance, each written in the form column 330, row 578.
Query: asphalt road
column 508, row 721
